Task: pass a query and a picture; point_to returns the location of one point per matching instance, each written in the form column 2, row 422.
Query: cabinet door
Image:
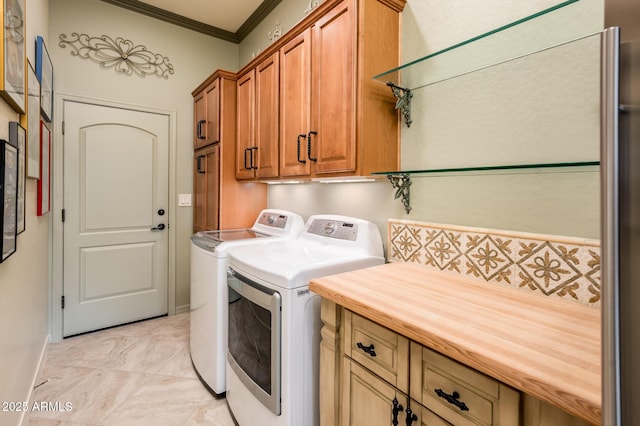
column 200, row 120
column 425, row 417
column 212, row 95
column 198, row 192
column 334, row 91
column 366, row 399
column 245, row 144
column 206, row 187
column 212, row 188
column 295, row 105
column 266, row 120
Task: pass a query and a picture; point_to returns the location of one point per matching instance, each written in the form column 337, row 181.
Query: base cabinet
column 370, row 401
column 382, row 383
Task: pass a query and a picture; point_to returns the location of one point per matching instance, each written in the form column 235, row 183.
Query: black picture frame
column 44, row 73
column 8, row 199
column 18, row 137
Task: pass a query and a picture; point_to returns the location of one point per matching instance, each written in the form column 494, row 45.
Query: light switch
column 184, row 200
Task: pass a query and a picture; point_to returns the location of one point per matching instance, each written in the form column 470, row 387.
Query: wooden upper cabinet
column 267, row 113
column 258, row 127
column 200, row 120
column 207, row 116
column 318, row 80
column 245, row 136
column 333, row 145
column 295, row 105
column 334, row 119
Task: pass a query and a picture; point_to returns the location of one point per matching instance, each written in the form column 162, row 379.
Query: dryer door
column 254, row 350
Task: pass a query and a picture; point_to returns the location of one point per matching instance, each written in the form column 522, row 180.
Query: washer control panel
column 334, row 229
column 273, row 220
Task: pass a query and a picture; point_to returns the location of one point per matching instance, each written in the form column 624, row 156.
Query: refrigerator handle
column 610, row 255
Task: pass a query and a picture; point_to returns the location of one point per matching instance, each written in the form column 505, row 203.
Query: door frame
column 55, row 217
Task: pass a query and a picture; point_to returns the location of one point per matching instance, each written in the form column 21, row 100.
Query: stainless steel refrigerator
column 620, row 169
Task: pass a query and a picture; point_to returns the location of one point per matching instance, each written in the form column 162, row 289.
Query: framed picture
column 44, row 183
column 8, row 198
column 18, row 137
column 44, row 72
column 13, row 55
column 33, row 124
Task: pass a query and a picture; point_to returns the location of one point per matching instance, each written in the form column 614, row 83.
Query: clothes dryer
column 274, row 319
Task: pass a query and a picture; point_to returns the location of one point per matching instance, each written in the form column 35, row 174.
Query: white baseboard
column 182, row 309
column 43, row 357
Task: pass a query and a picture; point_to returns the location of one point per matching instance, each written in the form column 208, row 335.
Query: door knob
column 160, row 227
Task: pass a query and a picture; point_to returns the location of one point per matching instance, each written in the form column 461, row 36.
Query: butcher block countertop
column 544, row 347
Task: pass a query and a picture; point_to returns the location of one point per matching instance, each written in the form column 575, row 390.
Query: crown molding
column 245, row 29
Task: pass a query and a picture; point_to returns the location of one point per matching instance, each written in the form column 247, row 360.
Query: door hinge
column 63, row 127
column 63, row 215
column 62, row 302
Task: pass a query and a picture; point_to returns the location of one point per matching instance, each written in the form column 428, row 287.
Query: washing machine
column 209, row 301
column 274, row 319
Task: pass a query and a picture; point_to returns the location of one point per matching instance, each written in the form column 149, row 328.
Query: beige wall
column 193, row 55
column 461, row 122
column 24, row 277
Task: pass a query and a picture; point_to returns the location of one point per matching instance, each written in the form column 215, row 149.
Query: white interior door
column 116, row 189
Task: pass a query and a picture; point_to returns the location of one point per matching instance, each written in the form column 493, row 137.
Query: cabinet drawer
column 379, row 349
column 459, row 394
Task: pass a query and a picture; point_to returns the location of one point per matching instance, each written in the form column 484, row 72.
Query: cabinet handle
column 396, row 409
column 299, row 159
column 367, row 349
column 452, row 399
column 253, row 148
column 309, row 145
column 200, row 123
column 199, row 167
column 411, row 417
column 246, row 166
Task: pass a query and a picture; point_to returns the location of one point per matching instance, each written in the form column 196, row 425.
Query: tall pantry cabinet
column 219, row 200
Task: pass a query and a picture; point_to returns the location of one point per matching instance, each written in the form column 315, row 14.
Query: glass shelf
column 401, row 179
column 507, row 42
column 491, row 168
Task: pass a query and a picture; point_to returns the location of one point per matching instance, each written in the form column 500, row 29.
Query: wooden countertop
column 547, row 348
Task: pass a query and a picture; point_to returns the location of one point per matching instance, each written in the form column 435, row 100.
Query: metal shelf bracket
column 401, row 183
column 403, row 102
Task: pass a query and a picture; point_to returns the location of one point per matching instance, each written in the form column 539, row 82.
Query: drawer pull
column 396, row 409
column 452, row 399
column 367, row 349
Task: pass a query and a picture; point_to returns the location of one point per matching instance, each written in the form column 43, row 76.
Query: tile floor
column 137, row 374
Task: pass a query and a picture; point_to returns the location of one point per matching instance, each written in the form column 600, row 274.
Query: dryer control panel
column 273, row 220
column 334, row 229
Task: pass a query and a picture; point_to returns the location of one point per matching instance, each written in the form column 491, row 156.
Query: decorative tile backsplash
column 560, row 267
